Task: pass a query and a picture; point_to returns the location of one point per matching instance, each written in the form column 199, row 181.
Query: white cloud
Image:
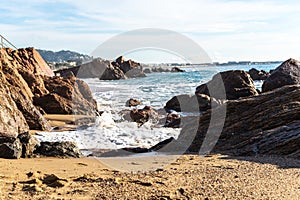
column 243, row 30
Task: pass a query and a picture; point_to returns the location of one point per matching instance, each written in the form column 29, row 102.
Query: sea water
column 112, row 132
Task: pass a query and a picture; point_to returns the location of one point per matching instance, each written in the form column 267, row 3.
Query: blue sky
column 226, row 30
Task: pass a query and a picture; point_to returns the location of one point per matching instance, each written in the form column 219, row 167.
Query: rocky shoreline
column 255, row 122
column 29, row 90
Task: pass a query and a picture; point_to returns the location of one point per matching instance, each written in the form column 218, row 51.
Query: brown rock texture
column 288, row 73
column 264, row 124
column 66, row 96
column 12, row 122
column 27, row 88
column 10, row 64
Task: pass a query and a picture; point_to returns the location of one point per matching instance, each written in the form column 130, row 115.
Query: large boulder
column 191, row 103
column 237, row 84
column 264, row 124
column 288, row 73
column 66, row 96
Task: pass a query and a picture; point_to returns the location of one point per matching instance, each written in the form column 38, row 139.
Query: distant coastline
column 229, row 63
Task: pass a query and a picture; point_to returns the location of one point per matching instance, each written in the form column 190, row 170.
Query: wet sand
column 185, row 177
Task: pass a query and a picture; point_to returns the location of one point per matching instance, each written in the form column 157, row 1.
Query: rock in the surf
column 258, row 74
column 237, row 84
column 132, row 102
column 288, row 73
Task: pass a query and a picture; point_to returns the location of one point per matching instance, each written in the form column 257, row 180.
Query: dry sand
column 187, row 177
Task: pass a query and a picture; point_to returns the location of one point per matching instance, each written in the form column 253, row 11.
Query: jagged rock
column 288, row 73
column 106, row 70
column 14, row 63
column 10, row 148
column 141, row 116
column 258, row 75
column 28, row 59
column 58, row 149
column 177, row 69
column 112, row 73
column 264, row 124
column 132, row 102
column 237, row 84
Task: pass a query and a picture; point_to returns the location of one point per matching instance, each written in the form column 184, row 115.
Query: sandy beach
column 188, row 177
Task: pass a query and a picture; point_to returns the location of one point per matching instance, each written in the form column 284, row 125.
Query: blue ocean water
column 157, row 88
column 112, row 132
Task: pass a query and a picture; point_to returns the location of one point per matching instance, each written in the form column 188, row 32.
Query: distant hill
column 63, row 56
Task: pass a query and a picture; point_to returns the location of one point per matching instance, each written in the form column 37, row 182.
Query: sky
column 252, row 30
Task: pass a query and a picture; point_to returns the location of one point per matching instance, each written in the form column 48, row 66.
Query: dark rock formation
column 264, row 124
column 132, row 102
column 191, row 103
column 112, row 73
column 106, row 70
column 172, row 120
column 130, row 151
column 258, row 75
column 160, row 69
column 141, row 116
column 176, row 69
column 237, row 84
column 147, row 71
column 10, row 148
column 58, row 149
column 288, row 73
